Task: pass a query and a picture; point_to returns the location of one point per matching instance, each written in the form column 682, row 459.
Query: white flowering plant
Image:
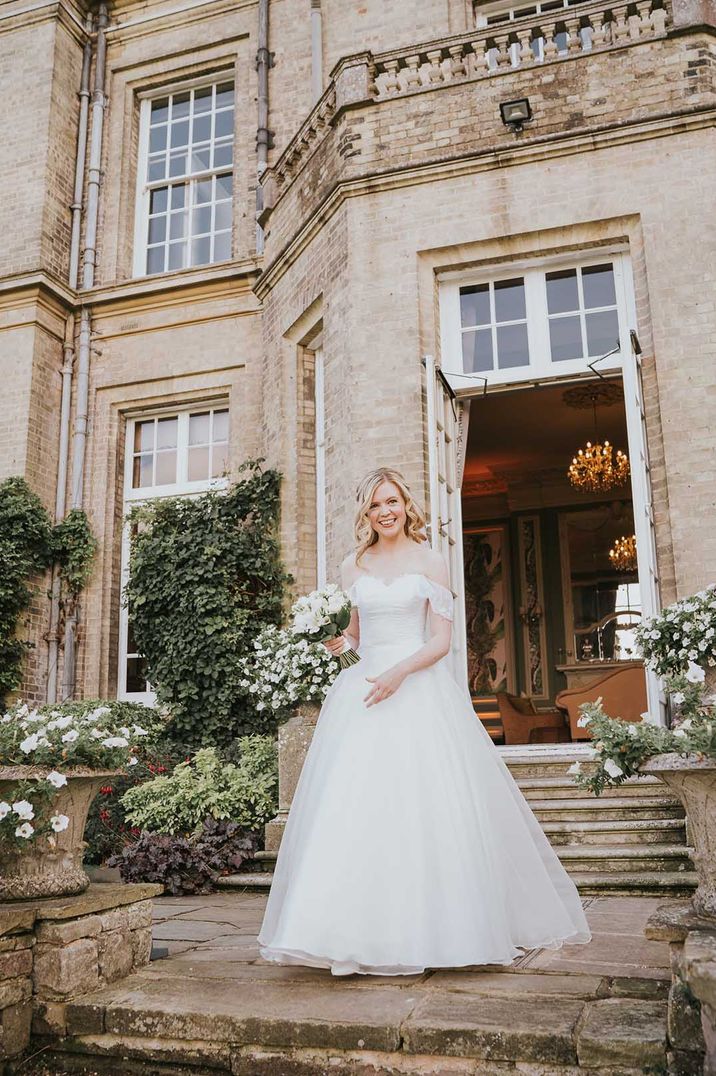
column 54, row 741
column 323, row 614
column 283, row 670
column 680, row 634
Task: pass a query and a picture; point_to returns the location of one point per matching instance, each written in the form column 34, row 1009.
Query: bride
column 408, row 844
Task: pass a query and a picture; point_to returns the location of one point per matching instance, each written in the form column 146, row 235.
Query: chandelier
column 596, row 467
column 622, row 555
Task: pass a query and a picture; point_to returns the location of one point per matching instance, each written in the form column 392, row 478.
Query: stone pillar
column 352, row 78
column 294, row 739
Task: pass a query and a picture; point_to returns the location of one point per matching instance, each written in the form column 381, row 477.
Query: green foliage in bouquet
column 246, row 791
column 205, row 576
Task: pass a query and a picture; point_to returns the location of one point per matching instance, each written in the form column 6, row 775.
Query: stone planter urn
column 694, row 781
column 294, row 739
column 43, row 869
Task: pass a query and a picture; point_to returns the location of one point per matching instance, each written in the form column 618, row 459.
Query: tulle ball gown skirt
column 408, row 844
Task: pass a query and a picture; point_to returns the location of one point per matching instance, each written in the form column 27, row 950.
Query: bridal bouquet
column 321, row 615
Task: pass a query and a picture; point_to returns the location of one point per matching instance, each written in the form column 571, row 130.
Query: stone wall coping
column 673, row 922
column 24, row 773
column 99, row 897
column 673, row 761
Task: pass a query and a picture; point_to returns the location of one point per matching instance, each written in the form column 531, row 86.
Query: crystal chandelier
column 596, row 467
column 622, row 555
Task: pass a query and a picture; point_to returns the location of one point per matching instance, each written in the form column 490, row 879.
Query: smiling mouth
column 387, row 522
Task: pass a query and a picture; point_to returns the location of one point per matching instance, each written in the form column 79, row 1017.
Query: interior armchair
column 523, row 723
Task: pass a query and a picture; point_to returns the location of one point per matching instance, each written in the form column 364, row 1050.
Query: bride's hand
column 384, row 685
column 334, row 645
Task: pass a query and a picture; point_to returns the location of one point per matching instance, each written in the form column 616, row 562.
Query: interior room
column 551, row 581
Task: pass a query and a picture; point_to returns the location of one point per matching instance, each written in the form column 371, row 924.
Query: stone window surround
column 534, row 271
column 137, row 495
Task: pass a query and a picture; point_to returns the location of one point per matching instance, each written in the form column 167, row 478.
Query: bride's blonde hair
column 415, row 517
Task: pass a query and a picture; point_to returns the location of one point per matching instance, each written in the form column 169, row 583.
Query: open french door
column 447, row 423
column 643, row 512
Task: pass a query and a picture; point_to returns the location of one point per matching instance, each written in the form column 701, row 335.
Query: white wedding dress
column 408, row 844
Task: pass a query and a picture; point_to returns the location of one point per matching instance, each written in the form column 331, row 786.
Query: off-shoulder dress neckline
column 395, row 578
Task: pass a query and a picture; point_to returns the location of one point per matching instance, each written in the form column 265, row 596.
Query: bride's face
column 387, row 510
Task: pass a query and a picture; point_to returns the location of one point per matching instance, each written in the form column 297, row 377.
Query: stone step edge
column 590, row 851
column 615, row 825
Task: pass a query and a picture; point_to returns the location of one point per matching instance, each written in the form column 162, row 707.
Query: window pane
column 224, row 186
column 142, row 471
column 198, row 463
column 201, row 251
column 177, row 255
column 512, row 348
column 155, row 260
column 158, row 139
column 180, row 134
column 562, row 294
column 157, row 229
column 167, row 433
column 222, row 246
column 223, row 154
column 598, row 286
column 199, row 428
column 201, row 220
column 222, row 216
column 200, row 159
column 477, row 351
column 220, row 430
column 224, row 95
column 180, row 105
column 202, row 99
column 602, row 332
column 202, row 191
column 201, row 128
column 166, row 473
column 177, row 225
column 160, row 110
column 157, row 168
column 144, row 436
column 177, row 164
column 224, row 123
column 475, row 305
column 136, row 674
column 219, row 460
column 510, row 300
column 158, row 201
column 178, row 196
column 565, row 335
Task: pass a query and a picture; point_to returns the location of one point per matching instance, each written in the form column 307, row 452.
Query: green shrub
column 245, row 792
column 205, row 576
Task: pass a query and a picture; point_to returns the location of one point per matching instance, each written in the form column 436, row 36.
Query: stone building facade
column 392, row 197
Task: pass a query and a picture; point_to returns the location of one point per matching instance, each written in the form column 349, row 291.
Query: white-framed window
column 185, row 178
column 182, row 452
column 501, row 14
column 545, row 320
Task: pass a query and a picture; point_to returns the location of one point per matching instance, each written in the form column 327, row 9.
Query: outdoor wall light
column 515, row 113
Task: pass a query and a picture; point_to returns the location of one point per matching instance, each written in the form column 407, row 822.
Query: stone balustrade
column 529, row 42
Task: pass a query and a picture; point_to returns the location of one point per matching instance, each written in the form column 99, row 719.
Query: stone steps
column 617, row 832
column 616, row 808
column 563, row 787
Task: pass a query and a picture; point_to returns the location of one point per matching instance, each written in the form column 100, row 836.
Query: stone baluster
column 634, row 24
column 502, row 44
column 412, row 72
column 659, row 20
column 551, row 48
column 620, row 30
column 526, row 54
column 457, row 61
column 574, row 40
column 600, row 30
column 481, row 57
column 435, row 71
column 391, row 83
column 646, row 25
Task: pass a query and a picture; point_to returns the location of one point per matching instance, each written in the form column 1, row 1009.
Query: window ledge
column 244, row 272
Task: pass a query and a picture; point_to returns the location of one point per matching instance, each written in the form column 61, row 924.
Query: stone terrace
column 213, row 1005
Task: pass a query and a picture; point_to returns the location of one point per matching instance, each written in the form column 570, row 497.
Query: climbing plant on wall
column 29, row 544
column 205, row 575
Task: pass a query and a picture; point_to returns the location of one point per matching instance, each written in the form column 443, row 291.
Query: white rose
column 57, row 780
column 71, row 736
column 23, row 809
column 59, row 822
column 576, row 767
column 695, row 674
column 139, row 731
column 30, row 743
column 97, row 734
column 25, row 830
column 115, row 741
column 584, row 720
column 678, row 697
column 612, row 769
column 5, row 809
column 132, row 760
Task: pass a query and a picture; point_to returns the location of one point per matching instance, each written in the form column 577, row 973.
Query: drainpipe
column 68, row 352
column 316, row 50
column 79, row 437
column 263, row 135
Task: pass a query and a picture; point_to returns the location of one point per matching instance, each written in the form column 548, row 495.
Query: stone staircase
column 630, row 840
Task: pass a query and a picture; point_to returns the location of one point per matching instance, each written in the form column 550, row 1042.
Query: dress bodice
column 395, row 613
